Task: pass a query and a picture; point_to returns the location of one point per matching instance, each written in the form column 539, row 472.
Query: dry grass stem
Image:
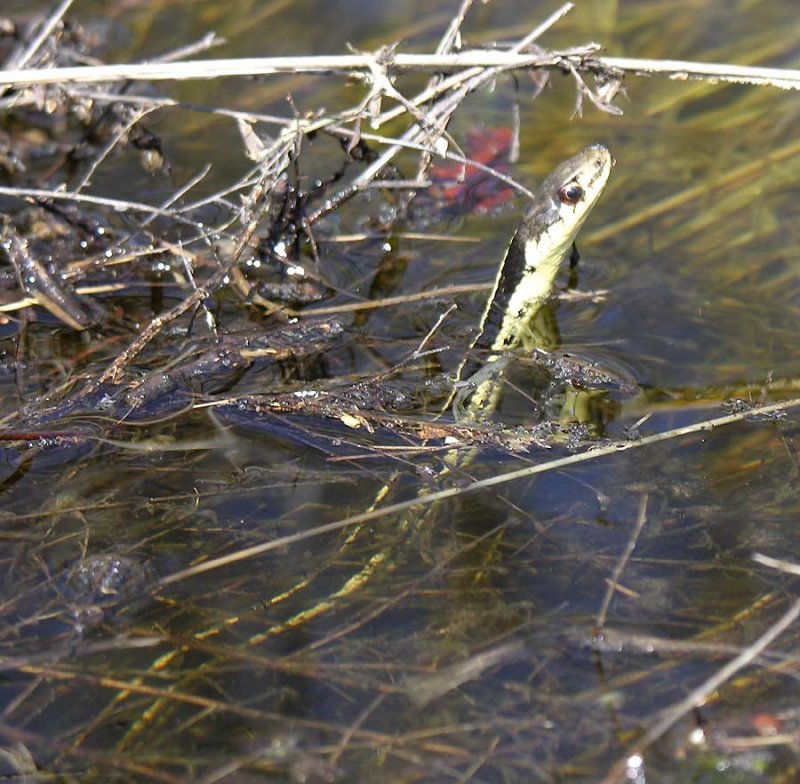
column 582, row 59
column 619, row 568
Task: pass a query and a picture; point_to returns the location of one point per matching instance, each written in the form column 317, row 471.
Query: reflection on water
column 454, row 643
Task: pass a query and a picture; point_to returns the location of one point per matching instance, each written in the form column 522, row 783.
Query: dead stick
column 785, row 78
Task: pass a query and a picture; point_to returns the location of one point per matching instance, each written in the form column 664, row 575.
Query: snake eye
column 571, row 193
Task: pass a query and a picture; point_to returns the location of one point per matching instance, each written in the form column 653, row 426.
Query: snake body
column 524, row 282
column 526, row 278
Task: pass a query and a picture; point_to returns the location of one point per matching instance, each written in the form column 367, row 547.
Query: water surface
column 356, row 655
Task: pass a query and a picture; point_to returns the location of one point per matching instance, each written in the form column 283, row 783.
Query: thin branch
column 265, row 66
column 641, row 519
column 120, row 205
column 121, row 134
column 444, row 293
column 581, row 58
column 784, row 78
column 452, row 37
column 777, row 563
column 208, row 41
column 47, row 28
column 114, row 370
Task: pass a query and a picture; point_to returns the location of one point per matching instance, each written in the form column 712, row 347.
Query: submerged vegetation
column 236, row 543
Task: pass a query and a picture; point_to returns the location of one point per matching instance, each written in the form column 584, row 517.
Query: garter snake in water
column 526, row 278
column 524, row 282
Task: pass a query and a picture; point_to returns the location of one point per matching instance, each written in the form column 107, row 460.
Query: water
column 295, row 663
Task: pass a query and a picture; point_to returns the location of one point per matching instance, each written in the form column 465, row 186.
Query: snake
column 526, row 278
column 524, row 282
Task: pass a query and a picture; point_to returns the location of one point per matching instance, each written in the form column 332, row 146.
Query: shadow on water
column 188, row 591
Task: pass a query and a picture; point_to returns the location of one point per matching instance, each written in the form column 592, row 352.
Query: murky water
column 453, row 641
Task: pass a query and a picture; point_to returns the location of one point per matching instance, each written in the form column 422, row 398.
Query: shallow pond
column 220, row 583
